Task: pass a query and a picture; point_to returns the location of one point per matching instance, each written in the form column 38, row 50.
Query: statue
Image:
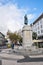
column 25, row 20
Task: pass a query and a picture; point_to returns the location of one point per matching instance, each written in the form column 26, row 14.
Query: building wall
column 2, row 38
column 38, row 27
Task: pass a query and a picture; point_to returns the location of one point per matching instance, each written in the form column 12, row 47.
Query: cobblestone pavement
column 10, row 59
column 13, row 59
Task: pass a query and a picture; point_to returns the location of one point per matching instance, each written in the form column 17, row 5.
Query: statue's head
column 25, row 20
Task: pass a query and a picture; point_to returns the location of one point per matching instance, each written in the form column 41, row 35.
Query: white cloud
column 34, row 8
column 4, row 0
column 30, row 16
column 11, row 17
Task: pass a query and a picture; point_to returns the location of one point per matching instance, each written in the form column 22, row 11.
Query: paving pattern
column 13, row 59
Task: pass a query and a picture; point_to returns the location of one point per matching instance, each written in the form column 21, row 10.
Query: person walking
column 12, row 45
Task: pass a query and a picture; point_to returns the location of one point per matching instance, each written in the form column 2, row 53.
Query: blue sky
column 38, row 4
column 12, row 13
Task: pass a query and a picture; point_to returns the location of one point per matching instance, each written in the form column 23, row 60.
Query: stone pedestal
column 27, row 36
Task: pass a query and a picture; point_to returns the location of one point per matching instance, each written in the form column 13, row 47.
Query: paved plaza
column 14, row 59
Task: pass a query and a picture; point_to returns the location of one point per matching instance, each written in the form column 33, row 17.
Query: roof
column 41, row 16
column 2, row 34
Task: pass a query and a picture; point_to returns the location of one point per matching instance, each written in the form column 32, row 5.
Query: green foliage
column 14, row 36
column 20, row 38
column 34, row 35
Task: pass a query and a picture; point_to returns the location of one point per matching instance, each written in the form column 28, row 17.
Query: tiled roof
column 2, row 34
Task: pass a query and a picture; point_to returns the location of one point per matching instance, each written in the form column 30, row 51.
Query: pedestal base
column 27, row 36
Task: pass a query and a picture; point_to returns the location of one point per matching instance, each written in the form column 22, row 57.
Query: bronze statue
column 25, row 20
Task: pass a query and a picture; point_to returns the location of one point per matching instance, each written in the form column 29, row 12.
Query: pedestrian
column 12, row 45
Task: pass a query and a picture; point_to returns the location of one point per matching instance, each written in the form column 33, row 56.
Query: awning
column 37, row 40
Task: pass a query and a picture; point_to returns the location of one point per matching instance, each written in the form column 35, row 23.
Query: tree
column 34, row 35
column 8, row 32
column 14, row 37
column 19, row 38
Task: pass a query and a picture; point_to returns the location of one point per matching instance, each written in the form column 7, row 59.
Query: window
column 38, row 23
column 38, row 32
column 38, row 27
column 41, row 31
column 41, row 26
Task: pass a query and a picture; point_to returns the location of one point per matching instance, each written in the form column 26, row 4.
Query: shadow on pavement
column 28, row 59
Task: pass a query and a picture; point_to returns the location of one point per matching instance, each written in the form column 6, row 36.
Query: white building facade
column 37, row 26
